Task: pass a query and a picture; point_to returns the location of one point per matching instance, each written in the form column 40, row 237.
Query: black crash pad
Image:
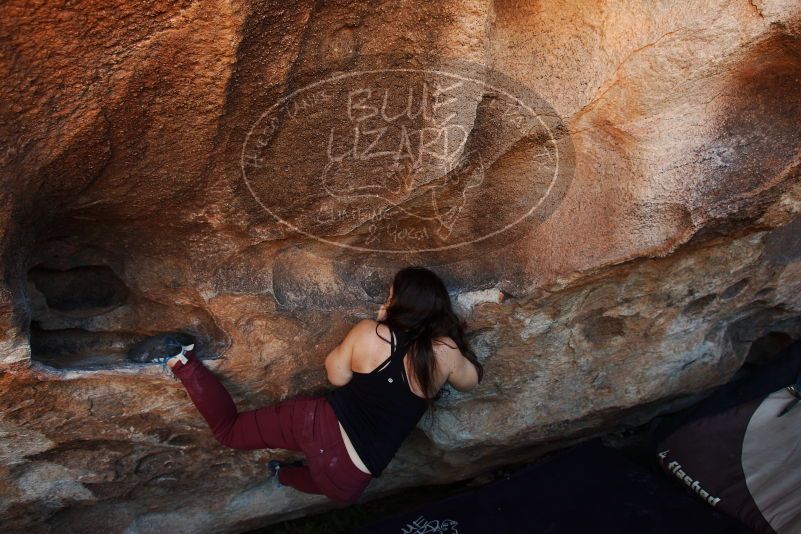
column 586, row 488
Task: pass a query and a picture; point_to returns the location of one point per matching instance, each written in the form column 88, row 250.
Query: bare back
column 371, row 350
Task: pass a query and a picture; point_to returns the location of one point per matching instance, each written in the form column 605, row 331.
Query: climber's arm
column 337, row 363
column 463, row 375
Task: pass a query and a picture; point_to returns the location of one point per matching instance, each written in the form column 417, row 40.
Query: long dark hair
column 420, row 311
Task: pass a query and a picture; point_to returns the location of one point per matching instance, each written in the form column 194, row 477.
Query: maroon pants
column 305, row 424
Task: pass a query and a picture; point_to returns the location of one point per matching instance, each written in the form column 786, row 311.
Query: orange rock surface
column 611, row 191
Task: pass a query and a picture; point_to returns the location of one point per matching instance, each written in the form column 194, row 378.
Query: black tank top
column 378, row 409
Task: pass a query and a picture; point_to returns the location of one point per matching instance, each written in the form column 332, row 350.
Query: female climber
column 389, row 372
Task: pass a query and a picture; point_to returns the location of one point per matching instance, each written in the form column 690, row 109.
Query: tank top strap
column 393, row 339
column 395, row 344
column 402, row 339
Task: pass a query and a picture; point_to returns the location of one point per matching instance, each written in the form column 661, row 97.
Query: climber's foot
column 161, row 348
column 170, row 350
column 180, row 358
column 274, row 466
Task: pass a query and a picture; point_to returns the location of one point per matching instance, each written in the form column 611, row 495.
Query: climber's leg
column 267, row 427
column 330, row 466
column 299, row 478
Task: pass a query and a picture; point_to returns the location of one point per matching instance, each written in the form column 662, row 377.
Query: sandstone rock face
column 610, row 190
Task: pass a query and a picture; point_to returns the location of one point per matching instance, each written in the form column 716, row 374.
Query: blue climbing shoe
column 162, row 348
column 157, row 348
column 173, row 348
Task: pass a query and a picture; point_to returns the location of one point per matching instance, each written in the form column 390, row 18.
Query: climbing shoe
column 161, row 345
column 274, row 466
column 161, row 348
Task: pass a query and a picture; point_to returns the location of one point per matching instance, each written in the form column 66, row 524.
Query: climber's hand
column 382, row 311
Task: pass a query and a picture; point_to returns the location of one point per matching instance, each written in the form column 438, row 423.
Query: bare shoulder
column 444, row 344
column 446, row 351
column 366, row 325
column 365, row 329
column 372, row 334
column 462, row 373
